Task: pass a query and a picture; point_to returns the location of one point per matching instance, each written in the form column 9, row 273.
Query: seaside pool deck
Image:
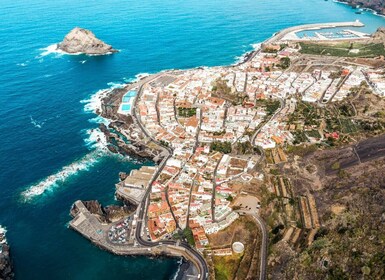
column 127, row 101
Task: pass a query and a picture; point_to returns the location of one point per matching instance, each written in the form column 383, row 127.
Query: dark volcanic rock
column 81, row 40
column 105, row 214
column 6, row 270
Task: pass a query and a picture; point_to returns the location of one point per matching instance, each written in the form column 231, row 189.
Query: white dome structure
column 238, row 247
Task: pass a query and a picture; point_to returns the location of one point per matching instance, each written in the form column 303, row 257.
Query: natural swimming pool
column 127, row 97
column 125, row 107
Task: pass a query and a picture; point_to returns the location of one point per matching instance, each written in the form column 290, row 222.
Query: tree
column 285, row 62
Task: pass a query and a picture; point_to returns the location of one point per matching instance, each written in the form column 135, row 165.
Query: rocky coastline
column 108, row 214
column 83, row 41
column 6, row 268
column 376, row 5
column 123, row 133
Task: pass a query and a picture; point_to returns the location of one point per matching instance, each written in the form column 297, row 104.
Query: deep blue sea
column 44, row 126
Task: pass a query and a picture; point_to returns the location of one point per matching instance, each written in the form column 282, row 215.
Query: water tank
column 238, row 247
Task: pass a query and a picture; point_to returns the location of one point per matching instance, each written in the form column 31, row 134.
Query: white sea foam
column 3, row 231
column 96, row 139
column 54, row 180
column 256, row 46
column 137, row 77
column 94, row 103
column 37, row 124
column 114, row 85
column 180, row 262
column 51, row 49
column 99, row 120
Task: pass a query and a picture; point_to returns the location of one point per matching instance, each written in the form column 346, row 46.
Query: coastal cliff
column 6, row 272
column 81, row 40
column 375, row 5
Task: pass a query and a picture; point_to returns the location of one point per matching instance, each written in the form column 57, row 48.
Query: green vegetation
column 307, row 113
column 335, row 75
column 301, row 150
column 299, row 137
column 223, row 147
column 336, row 165
column 164, row 143
column 186, row 112
column 225, row 267
column 347, row 126
column 221, row 87
column 187, row 233
column 272, row 106
column 284, row 62
column 244, row 148
column 313, row 133
column 230, row 198
column 219, row 133
column 343, row 49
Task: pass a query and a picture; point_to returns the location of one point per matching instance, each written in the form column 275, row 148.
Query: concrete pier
column 88, row 225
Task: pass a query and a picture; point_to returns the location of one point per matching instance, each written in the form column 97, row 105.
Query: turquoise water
column 126, row 107
column 127, row 97
column 45, row 128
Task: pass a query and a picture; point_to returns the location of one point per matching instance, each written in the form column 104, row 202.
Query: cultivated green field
column 345, row 49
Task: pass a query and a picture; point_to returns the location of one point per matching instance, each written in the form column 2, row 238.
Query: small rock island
column 83, row 41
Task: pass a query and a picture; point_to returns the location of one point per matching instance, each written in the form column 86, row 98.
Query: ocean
column 48, row 148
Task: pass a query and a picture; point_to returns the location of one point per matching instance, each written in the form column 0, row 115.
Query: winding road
column 196, row 257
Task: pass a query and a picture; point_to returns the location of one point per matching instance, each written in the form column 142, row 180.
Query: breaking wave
column 36, row 123
column 51, row 49
column 94, row 102
column 53, row 181
column 96, row 141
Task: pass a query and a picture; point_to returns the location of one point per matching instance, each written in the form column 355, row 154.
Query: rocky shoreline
column 123, row 134
column 6, row 268
column 108, row 214
column 377, row 5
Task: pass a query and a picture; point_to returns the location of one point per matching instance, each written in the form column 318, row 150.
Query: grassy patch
column 187, row 233
column 226, row 266
column 345, row 49
column 223, row 147
column 186, row 112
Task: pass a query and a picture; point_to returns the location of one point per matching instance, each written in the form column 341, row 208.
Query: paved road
column 263, row 252
column 202, row 265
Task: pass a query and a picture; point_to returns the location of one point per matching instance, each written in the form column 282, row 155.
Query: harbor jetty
column 289, row 34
